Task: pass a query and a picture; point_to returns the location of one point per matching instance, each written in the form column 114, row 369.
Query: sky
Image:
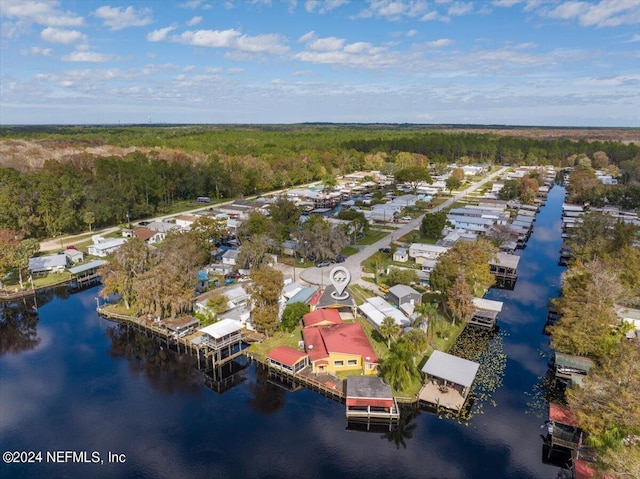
column 510, row 62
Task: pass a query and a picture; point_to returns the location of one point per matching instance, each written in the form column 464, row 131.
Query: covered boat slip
column 86, row 274
column 486, row 313
column 370, row 398
column 568, row 366
column 563, row 430
column 448, row 380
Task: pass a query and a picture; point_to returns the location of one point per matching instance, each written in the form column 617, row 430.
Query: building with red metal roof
column 322, row 317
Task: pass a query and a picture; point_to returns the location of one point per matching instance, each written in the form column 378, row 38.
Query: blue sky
column 518, row 62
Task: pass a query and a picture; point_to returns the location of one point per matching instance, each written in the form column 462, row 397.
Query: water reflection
column 268, row 397
column 403, row 430
column 18, row 327
column 165, row 370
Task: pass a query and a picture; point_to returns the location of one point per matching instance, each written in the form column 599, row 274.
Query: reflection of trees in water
column 403, row 431
column 166, row 370
column 267, row 397
column 18, row 327
column 45, row 296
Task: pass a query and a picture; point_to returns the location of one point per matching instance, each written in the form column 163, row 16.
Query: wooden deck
column 449, row 398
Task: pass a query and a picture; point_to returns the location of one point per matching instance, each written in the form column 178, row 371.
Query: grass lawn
column 416, row 237
column 348, row 251
column 378, row 342
column 279, row 338
column 359, row 294
column 372, row 236
column 50, row 279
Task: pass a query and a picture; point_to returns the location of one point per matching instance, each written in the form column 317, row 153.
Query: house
column 289, row 247
column 105, row 247
column 185, row 221
column 375, row 309
column 149, row 236
column 370, row 397
column 632, row 318
column 230, row 256
column 235, row 294
column 53, row 263
column 401, row 255
column 162, row 226
column 346, row 307
column 74, row 255
column 448, row 380
column 321, row 317
column 339, row 347
column 420, row 251
column 401, row 294
column 287, row 359
column 303, row 296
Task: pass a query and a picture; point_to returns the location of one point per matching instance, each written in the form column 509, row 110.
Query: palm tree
column 398, row 368
column 415, row 341
column 389, row 329
column 428, row 311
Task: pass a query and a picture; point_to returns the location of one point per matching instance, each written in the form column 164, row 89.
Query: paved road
column 320, row 276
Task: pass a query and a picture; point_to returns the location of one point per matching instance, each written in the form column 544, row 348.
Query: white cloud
column 235, row 71
column 323, row 6
column 442, row 42
column 412, row 33
column 66, row 37
column 36, row 51
column 326, row 44
column 234, row 40
column 160, row 34
column 40, row 12
column 307, row 36
column 117, row 18
column 460, row 8
column 194, row 21
column 192, row 4
column 635, row 38
column 86, row 56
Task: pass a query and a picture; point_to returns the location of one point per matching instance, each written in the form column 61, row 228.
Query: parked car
column 339, row 259
column 385, row 250
column 144, row 223
column 232, row 275
column 322, row 264
column 383, row 288
column 406, row 218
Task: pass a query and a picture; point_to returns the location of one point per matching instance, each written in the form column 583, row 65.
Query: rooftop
column 222, row 328
column 451, row 368
column 88, row 266
column 321, row 315
column 368, row 387
column 286, row 355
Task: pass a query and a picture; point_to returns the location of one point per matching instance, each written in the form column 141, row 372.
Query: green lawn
column 348, row 251
column 279, row 338
column 372, row 236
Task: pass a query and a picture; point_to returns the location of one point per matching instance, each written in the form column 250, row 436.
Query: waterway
column 70, row 381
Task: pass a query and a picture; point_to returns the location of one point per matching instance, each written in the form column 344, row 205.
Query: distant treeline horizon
column 117, row 172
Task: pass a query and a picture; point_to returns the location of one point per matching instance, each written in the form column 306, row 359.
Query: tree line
column 604, row 275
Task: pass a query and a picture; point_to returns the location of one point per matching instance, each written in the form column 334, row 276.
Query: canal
column 70, row 381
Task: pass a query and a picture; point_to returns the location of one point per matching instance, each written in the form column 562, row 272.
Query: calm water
column 72, row 381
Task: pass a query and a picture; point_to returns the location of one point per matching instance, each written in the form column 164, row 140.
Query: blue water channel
column 70, row 381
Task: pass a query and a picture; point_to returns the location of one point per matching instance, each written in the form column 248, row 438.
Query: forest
column 56, row 180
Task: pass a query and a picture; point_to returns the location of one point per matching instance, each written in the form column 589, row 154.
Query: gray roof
column 231, row 254
column 451, row 368
column 401, row 290
column 368, row 387
column 86, row 267
column 222, row 328
column 41, row 263
column 302, row 296
column 507, row 260
column 327, row 300
column 574, row 362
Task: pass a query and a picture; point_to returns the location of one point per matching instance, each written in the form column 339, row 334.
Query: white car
column 406, row 218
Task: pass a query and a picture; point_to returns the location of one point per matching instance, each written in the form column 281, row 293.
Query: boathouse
column 562, row 428
column 486, row 313
column 370, row 398
column 569, row 368
column 224, row 340
column 86, row 274
column 448, row 380
column 505, row 269
column 287, row 359
column 182, row 326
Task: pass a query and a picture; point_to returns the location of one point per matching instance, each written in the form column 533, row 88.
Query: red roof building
column 288, row 358
column 339, row 347
column 322, row 317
